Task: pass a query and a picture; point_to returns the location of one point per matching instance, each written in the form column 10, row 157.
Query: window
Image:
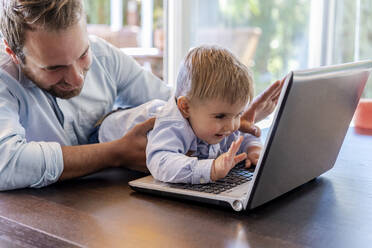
column 134, row 26
column 273, row 37
column 269, row 36
column 353, row 34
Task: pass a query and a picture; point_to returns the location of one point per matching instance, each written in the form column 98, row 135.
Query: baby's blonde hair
column 210, row 72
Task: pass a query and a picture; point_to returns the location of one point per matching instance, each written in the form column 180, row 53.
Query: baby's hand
column 226, row 161
column 253, row 153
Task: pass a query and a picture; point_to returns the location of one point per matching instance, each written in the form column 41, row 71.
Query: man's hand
column 262, row 105
column 226, row 161
column 129, row 152
column 265, row 103
column 132, row 146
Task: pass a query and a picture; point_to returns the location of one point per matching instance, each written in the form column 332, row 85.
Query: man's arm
column 129, row 152
column 37, row 164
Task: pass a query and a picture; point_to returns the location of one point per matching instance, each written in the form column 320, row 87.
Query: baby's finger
column 278, row 91
column 240, row 157
column 276, row 96
column 248, row 163
column 269, row 91
column 237, row 144
column 283, row 80
column 253, row 157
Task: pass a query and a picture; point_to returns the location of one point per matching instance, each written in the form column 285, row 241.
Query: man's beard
column 54, row 90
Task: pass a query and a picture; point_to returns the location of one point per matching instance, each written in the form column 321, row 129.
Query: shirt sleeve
column 24, row 164
column 135, row 85
column 166, row 160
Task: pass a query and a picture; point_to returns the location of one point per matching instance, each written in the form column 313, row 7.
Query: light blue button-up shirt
column 34, row 125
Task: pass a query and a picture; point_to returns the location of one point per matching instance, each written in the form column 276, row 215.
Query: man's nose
column 75, row 75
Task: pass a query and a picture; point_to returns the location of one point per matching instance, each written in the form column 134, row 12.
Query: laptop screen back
column 312, row 118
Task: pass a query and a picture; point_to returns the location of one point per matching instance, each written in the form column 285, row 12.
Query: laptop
column 310, row 122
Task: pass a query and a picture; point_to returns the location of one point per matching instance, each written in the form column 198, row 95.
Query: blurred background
column 272, row 37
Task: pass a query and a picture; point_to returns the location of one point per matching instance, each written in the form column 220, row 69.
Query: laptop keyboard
column 237, row 176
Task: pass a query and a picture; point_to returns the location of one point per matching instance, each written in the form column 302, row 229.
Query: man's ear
column 10, row 52
column 183, row 105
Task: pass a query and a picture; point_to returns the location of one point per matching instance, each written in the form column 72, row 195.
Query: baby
column 195, row 138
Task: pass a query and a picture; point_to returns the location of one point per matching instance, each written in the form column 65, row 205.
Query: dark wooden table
column 100, row 210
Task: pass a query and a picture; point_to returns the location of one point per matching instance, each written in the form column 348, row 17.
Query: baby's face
column 213, row 120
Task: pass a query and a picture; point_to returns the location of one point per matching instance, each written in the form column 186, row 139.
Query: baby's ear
column 183, row 105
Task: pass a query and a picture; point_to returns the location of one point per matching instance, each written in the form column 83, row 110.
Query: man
column 56, row 82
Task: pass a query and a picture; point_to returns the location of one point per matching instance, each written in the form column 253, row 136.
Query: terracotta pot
column 363, row 114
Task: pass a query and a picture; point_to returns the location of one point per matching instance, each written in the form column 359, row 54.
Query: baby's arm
column 166, row 160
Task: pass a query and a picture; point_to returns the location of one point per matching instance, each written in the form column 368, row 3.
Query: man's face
column 58, row 61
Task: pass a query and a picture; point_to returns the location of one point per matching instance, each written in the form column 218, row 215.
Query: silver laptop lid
column 314, row 112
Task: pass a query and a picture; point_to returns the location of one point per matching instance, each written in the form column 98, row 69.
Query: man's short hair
column 18, row 16
column 210, row 72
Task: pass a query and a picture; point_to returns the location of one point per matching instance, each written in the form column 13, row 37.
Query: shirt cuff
column 202, row 172
column 53, row 160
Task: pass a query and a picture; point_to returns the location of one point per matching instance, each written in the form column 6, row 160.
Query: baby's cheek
column 237, row 125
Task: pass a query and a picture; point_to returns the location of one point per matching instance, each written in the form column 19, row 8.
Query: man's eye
column 52, row 69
